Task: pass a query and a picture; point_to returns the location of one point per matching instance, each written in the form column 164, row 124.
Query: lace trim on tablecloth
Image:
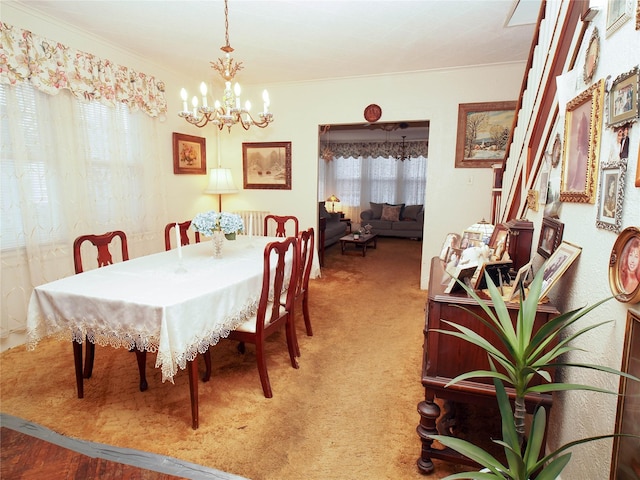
column 168, row 361
column 83, row 330
column 202, row 343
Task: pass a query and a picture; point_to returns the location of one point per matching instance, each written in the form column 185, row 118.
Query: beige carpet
column 349, row 412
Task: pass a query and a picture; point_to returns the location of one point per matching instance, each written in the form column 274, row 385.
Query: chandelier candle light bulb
column 183, row 94
column 203, row 91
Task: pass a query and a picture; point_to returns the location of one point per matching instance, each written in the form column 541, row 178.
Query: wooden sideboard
column 446, row 356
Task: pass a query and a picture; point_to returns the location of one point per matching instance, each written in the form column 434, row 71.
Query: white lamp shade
column 221, row 181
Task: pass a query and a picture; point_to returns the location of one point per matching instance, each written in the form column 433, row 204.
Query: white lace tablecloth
column 157, row 302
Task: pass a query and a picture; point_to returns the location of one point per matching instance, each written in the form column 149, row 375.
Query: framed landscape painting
column 483, row 132
column 267, row 165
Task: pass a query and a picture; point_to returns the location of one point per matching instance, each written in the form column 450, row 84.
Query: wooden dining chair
column 280, row 225
column 273, row 315
column 184, row 234
column 305, row 245
column 104, row 258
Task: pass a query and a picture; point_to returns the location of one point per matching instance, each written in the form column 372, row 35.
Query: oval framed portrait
column 624, row 266
column 592, row 56
column 556, row 153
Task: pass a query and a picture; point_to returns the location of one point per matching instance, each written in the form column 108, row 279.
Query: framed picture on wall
column 623, row 98
column 189, row 154
column 583, row 127
column 611, row 195
column 483, row 132
column 618, row 12
column 267, row 165
column 625, row 461
column 624, row 266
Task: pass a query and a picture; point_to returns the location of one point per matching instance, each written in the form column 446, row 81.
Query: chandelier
column 229, row 112
column 403, row 155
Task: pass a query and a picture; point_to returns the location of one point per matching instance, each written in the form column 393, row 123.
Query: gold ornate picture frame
column 483, row 132
column 582, row 134
column 624, row 266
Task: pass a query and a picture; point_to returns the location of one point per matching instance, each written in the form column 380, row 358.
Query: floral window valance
column 50, row 66
column 329, row 150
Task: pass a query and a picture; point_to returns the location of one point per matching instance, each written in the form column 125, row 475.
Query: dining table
column 175, row 303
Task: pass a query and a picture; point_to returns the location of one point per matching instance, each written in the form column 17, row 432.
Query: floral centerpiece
column 207, row 223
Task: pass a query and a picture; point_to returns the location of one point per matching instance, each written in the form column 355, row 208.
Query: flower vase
column 230, row 236
column 218, row 241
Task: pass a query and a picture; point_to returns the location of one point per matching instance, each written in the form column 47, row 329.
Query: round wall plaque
column 372, row 113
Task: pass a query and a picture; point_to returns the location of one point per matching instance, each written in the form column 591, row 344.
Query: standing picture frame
column 483, row 132
column 267, row 165
column 550, row 236
column 583, row 129
column 623, row 102
column 624, row 266
column 189, row 154
column 611, row 195
column 618, row 12
column 558, row 263
column 626, row 454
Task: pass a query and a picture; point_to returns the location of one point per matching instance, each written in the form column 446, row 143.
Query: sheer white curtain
column 70, row 168
column 356, row 181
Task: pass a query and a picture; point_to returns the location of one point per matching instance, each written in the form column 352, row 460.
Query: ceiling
column 284, row 41
column 302, row 40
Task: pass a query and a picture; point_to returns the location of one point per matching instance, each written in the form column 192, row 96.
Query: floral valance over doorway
column 412, row 149
column 50, row 66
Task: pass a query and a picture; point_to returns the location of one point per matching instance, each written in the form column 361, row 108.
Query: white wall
column 455, row 198
column 582, row 414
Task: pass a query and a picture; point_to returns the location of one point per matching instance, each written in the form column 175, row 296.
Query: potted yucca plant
column 528, row 356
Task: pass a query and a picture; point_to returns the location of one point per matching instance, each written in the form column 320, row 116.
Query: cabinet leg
column 429, row 412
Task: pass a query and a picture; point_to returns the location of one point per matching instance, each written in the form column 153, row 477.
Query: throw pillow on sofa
column 391, row 214
column 411, row 212
column 377, row 210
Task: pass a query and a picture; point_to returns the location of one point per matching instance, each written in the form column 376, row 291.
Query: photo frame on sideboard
column 558, row 263
column 550, row 236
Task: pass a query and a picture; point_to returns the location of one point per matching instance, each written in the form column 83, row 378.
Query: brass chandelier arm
column 221, row 120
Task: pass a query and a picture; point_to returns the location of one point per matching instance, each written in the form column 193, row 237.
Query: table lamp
column 220, row 183
column 333, row 200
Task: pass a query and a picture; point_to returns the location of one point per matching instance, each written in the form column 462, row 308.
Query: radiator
column 254, row 220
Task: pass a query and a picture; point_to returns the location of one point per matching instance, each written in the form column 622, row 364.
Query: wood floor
column 24, row 457
column 29, row 451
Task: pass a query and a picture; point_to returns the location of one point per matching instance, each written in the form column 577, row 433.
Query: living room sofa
column 394, row 220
